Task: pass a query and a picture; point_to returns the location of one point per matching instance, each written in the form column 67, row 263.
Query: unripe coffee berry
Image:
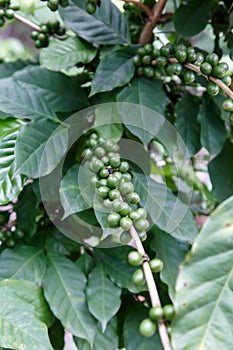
column 134, row 258
column 156, row 265
column 147, row 328
column 113, row 220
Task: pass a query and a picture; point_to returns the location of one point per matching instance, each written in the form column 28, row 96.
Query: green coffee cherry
column 142, row 224
column 99, row 152
column 169, row 312
column 212, row 58
column 125, row 209
column 226, row 80
column 228, row 105
column 103, row 173
column 148, row 48
column 133, row 198
column 138, row 277
column 137, row 60
column 103, row 191
column 213, row 89
column 125, row 237
column 181, row 55
column 146, row 60
column 147, row 328
column 156, row 313
column 114, row 194
column 126, row 223
column 148, row 72
column 220, row 70
column 189, row 77
column 206, row 68
column 126, row 187
column 156, row 265
column 134, row 258
column 113, row 220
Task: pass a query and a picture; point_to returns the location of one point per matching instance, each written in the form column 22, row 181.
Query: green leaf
column 40, row 146
column 107, row 340
column 50, row 85
column 172, row 254
column 117, row 267
column 167, row 211
column 204, row 287
column 186, row 122
column 64, row 54
column 64, row 287
column 108, row 122
column 33, row 295
column 26, row 209
column 7, row 69
column 144, row 92
column 71, row 192
column 23, row 103
column 132, row 338
column 117, row 68
column 221, row 173
column 103, row 296
column 213, row 132
column 9, row 125
column 56, row 335
column 20, row 328
column 10, row 183
column 107, row 26
column 23, row 263
column 192, row 17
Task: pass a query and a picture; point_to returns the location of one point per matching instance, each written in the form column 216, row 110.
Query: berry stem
column 153, row 292
column 27, row 22
column 141, row 5
column 151, row 22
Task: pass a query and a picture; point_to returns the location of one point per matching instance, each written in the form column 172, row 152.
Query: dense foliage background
column 87, row 54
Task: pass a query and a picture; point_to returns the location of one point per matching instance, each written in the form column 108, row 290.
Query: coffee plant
column 116, row 180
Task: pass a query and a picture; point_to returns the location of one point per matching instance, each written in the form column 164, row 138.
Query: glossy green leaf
column 192, row 17
column 213, row 132
column 10, row 183
column 204, row 287
column 108, row 121
column 9, row 125
column 64, row 54
column 103, row 296
column 64, row 287
column 172, row 254
column 71, row 192
column 107, row 26
column 23, row 103
column 117, row 267
column 26, row 210
column 107, row 340
column 221, row 173
column 144, row 92
column 136, row 313
column 7, row 69
column 33, row 295
column 117, row 68
column 50, row 85
column 40, row 146
column 20, row 328
column 166, row 210
column 23, row 263
column 186, row 122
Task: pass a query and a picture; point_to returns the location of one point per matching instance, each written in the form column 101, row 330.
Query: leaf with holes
column 40, row 146
column 204, row 297
column 103, row 296
column 64, row 287
column 64, row 54
column 107, row 26
column 10, row 183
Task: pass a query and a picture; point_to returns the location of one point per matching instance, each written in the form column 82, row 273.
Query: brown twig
column 153, row 292
column 151, row 22
column 141, row 5
column 166, row 17
column 27, row 22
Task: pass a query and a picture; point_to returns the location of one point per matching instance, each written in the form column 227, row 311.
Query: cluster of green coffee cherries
column 169, row 60
column 157, row 313
column 53, row 4
column 91, row 5
column 7, row 10
column 112, row 181
column 8, row 237
column 47, row 29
